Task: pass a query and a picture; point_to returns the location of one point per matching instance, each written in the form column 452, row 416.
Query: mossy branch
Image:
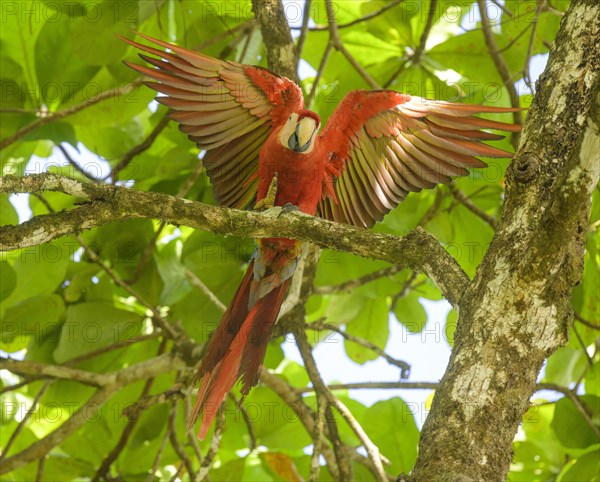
column 104, row 204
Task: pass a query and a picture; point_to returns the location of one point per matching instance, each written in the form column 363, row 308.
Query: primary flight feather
column 263, row 148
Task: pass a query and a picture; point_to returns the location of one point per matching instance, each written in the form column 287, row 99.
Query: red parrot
column 377, row 146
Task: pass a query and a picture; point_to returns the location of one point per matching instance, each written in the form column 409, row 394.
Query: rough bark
column 517, row 310
column 418, row 250
column 281, row 51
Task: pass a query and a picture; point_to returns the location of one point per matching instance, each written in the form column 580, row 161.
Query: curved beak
column 302, row 137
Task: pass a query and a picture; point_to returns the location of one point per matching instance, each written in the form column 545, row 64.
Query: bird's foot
column 269, row 200
column 288, row 208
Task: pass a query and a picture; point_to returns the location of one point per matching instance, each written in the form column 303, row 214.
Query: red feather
column 236, row 349
column 377, row 146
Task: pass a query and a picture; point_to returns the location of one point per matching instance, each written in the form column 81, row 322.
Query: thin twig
column 193, row 441
column 149, row 249
column 198, row 283
column 321, row 390
column 289, row 395
column 375, row 386
column 579, row 405
column 136, row 150
column 315, row 466
column 526, row 73
column 158, row 456
column 157, row 318
column 357, row 282
column 23, row 422
column 213, row 448
column 249, row 425
column 104, row 469
column 177, row 447
column 462, row 198
column 315, row 85
column 415, row 57
column 336, row 41
column 589, row 324
column 75, row 164
column 303, row 31
column 433, row 209
column 389, row 5
column 372, row 450
column 404, row 367
column 583, row 346
column 501, row 66
column 61, row 114
column 40, row 448
column 40, row 470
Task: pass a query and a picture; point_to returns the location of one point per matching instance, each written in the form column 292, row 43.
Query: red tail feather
column 236, row 349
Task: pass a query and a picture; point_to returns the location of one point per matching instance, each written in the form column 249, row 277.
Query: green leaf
column 410, row 312
column 173, row 273
column 566, row 365
column 8, row 279
column 93, row 325
column 19, row 43
column 391, row 426
column 96, row 43
column 275, row 424
column 232, row 470
column 32, row 317
column 570, row 426
column 371, row 323
column 40, row 269
column 585, row 468
column 59, row 76
column 56, row 132
column 450, row 327
column 8, row 214
column 592, row 380
column 540, row 451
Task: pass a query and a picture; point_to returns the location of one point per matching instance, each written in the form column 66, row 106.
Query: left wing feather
column 227, row 108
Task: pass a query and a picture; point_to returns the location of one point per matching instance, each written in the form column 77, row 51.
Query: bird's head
column 299, row 132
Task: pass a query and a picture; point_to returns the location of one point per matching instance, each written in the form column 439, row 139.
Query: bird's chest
column 299, row 178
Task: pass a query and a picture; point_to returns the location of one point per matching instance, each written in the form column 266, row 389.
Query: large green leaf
column 8, row 279
column 59, row 76
column 275, row 423
column 410, row 312
column 173, row 273
column 390, row 424
column 571, row 427
column 585, row 468
column 371, row 323
column 40, row 270
column 32, row 317
column 93, row 325
column 8, row 214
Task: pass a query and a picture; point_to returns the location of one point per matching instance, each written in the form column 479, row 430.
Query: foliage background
column 60, row 303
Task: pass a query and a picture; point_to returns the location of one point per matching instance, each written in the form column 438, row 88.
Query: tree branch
column 506, row 331
column 61, row 114
column 281, row 51
column 418, row 250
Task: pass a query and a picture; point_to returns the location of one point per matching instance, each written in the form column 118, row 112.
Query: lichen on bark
column 516, row 312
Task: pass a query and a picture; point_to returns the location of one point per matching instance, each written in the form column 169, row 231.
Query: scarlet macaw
column 376, row 147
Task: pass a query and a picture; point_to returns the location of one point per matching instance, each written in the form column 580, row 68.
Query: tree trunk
column 516, row 312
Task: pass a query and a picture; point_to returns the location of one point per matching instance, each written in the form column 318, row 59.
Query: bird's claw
column 288, row 208
column 268, row 201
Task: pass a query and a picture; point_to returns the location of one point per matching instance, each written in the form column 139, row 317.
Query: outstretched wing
column 226, row 108
column 383, row 144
